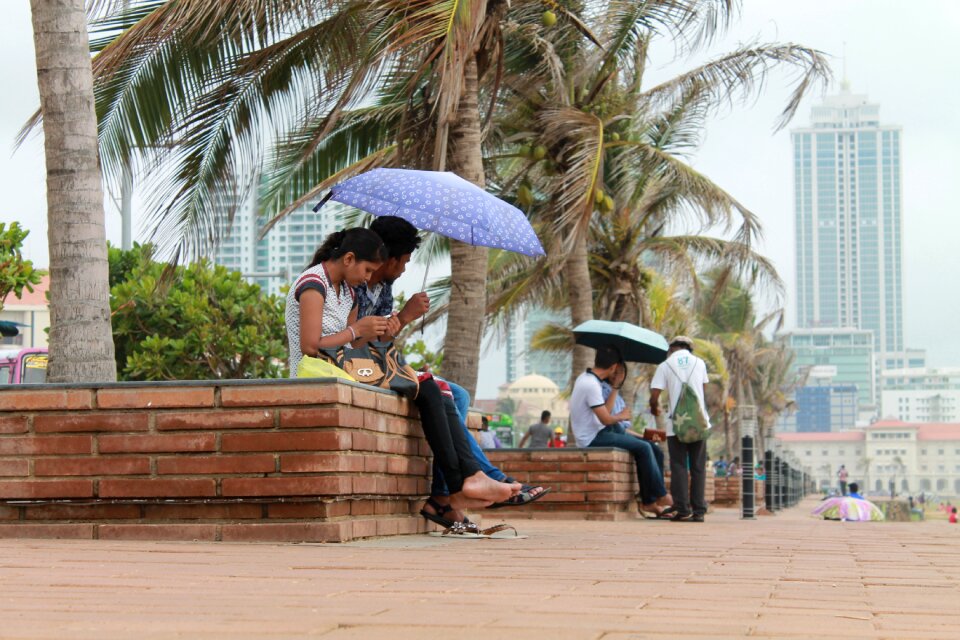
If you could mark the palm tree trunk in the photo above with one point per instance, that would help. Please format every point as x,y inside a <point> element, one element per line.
<point>580,295</point>
<point>81,339</point>
<point>468,264</point>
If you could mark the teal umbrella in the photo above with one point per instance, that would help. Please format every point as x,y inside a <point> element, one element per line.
<point>636,344</point>
<point>8,329</point>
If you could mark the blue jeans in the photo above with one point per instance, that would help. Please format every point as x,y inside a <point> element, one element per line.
<point>462,401</point>
<point>648,458</point>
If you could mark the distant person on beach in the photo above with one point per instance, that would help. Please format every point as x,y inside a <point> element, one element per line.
<point>488,439</point>
<point>538,434</point>
<point>734,469</point>
<point>855,491</point>
<point>953,516</point>
<point>557,441</point>
<point>720,467</point>
<point>842,478</point>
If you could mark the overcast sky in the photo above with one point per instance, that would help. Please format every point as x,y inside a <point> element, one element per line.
<point>902,55</point>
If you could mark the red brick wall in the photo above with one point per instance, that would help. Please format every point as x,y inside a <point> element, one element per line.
<point>285,460</point>
<point>728,491</point>
<point>594,484</point>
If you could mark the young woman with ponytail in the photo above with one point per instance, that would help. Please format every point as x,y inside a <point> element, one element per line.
<point>322,313</point>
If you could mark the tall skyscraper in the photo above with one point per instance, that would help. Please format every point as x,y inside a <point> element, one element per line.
<point>522,360</point>
<point>276,259</point>
<point>848,219</point>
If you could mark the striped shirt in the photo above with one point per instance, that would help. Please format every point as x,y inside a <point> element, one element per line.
<point>336,309</point>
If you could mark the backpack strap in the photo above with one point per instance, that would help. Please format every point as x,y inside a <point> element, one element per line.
<point>675,401</point>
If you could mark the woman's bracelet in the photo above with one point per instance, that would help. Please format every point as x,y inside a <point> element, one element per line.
<point>352,333</point>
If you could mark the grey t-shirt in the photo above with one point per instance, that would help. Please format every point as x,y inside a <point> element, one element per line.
<point>539,434</point>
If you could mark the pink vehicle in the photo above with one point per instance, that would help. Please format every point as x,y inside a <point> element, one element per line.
<point>23,366</point>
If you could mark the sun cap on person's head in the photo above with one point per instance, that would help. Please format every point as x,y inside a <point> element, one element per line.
<point>558,430</point>
<point>682,340</point>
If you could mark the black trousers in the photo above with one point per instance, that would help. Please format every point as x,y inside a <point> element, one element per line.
<point>447,439</point>
<point>682,455</point>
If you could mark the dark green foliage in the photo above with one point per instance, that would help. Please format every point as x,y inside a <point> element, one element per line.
<point>16,274</point>
<point>198,322</point>
<point>418,355</point>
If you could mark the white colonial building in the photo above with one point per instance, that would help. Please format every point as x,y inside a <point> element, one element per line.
<point>914,457</point>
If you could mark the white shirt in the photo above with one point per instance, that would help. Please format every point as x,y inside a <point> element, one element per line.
<point>587,394</point>
<point>488,440</point>
<point>681,367</point>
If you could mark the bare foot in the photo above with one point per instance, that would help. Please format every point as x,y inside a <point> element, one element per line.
<point>653,507</point>
<point>459,502</point>
<point>480,486</point>
<point>665,501</point>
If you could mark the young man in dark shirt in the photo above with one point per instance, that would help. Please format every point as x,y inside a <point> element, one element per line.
<point>375,297</point>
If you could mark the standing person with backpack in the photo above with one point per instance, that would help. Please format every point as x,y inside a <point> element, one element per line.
<point>684,376</point>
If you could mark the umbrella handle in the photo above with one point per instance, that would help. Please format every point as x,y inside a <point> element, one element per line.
<point>324,201</point>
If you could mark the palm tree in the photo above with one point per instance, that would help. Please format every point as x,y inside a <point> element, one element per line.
<point>584,142</point>
<point>776,382</point>
<point>81,343</point>
<point>202,88</point>
<point>759,371</point>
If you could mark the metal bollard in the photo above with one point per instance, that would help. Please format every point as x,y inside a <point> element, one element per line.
<point>786,484</point>
<point>775,474</point>
<point>768,483</point>
<point>748,488</point>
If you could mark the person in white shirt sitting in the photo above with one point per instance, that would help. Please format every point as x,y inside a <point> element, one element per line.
<point>594,425</point>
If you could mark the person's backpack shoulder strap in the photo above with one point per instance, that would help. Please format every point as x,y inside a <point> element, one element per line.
<point>674,401</point>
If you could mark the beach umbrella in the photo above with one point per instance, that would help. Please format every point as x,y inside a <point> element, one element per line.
<point>848,509</point>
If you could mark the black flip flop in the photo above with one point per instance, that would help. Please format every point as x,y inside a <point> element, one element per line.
<point>522,498</point>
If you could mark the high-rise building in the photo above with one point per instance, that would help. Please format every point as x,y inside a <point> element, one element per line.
<point>848,352</point>
<point>848,220</point>
<point>284,252</point>
<point>523,361</point>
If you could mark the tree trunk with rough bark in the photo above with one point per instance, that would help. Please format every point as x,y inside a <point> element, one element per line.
<point>81,338</point>
<point>468,264</point>
<point>580,295</point>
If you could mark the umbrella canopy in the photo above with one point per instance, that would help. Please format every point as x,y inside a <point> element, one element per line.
<point>636,344</point>
<point>441,202</point>
<point>8,328</point>
<point>848,509</point>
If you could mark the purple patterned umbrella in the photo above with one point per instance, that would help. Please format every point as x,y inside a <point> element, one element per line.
<point>441,202</point>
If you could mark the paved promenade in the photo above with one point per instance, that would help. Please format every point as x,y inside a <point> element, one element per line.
<point>780,576</point>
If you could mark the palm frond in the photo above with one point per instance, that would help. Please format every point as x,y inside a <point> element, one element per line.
<point>576,140</point>
<point>741,74</point>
